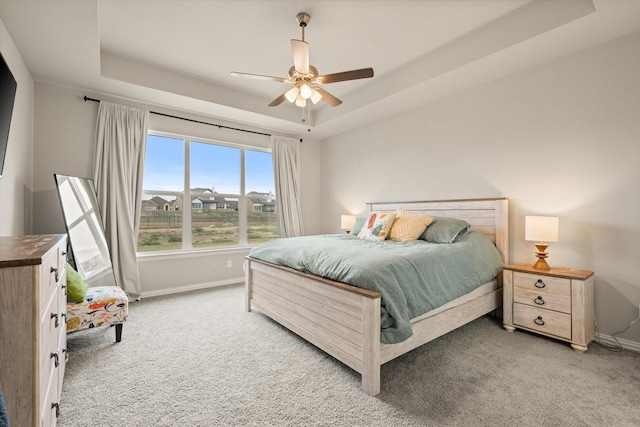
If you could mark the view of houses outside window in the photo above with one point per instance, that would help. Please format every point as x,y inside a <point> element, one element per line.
<point>222,209</point>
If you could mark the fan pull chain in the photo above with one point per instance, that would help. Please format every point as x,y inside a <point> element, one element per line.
<point>306,114</point>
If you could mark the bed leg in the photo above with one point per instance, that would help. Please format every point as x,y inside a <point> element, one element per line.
<point>247,285</point>
<point>371,347</point>
<point>371,381</point>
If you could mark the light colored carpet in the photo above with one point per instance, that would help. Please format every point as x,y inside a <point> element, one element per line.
<point>198,359</point>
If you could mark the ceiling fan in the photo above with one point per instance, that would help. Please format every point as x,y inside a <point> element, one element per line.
<point>305,78</point>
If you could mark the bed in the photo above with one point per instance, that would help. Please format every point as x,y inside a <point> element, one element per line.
<point>345,321</point>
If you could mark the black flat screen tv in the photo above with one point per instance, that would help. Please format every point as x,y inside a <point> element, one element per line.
<point>8,87</point>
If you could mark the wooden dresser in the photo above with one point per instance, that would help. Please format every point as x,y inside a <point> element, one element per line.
<point>32,327</point>
<point>557,302</point>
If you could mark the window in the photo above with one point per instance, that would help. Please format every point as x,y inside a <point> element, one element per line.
<point>223,185</point>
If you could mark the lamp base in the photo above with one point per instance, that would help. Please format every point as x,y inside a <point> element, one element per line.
<point>541,264</point>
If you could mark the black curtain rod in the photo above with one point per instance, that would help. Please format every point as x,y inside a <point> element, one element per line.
<point>86,98</point>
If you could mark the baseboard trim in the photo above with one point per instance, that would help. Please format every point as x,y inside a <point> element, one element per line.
<point>626,344</point>
<point>187,288</point>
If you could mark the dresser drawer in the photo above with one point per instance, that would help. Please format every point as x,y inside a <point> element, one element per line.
<point>542,320</point>
<point>52,272</point>
<point>49,355</point>
<point>50,404</point>
<point>49,365</point>
<point>541,283</point>
<point>541,299</point>
<point>51,321</point>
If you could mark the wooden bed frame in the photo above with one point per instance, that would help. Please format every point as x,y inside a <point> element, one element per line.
<point>344,320</point>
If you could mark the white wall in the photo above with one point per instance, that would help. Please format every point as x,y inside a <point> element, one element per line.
<point>560,139</point>
<point>64,143</point>
<point>16,184</point>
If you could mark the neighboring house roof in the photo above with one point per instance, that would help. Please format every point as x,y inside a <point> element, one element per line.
<point>199,190</point>
<point>206,195</point>
<point>158,200</point>
<point>255,196</point>
<point>155,201</point>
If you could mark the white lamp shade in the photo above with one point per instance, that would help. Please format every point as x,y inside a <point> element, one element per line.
<point>305,91</point>
<point>292,94</point>
<point>315,96</point>
<point>541,228</point>
<point>301,102</point>
<point>347,221</point>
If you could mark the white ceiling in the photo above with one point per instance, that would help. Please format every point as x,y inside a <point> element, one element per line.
<point>179,54</point>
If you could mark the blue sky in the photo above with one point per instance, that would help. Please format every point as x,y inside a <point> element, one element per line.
<point>211,166</point>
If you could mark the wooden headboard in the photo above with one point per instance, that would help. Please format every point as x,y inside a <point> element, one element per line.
<point>487,216</point>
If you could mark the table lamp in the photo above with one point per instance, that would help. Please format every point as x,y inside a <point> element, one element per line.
<point>347,221</point>
<point>541,229</point>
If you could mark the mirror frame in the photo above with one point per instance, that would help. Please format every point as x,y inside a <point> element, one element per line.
<point>97,268</point>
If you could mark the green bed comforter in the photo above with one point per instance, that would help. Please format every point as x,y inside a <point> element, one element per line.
<point>413,277</point>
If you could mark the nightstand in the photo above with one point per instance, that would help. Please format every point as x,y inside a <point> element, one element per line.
<point>557,303</point>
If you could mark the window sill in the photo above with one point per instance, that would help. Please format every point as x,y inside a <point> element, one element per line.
<point>191,253</point>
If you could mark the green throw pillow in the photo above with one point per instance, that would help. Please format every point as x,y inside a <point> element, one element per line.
<point>76,287</point>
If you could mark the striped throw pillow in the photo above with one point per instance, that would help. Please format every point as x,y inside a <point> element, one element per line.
<point>408,228</point>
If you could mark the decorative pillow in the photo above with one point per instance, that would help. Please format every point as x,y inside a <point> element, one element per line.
<point>76,287</point>
<point>445,230</point>
<point>357,226</point>
<point>377,226</point>
<point>408,228</point>
<point>401,213</point>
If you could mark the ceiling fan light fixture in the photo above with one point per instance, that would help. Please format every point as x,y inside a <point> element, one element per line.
<point>305,78</point>
<point>301,102</point>
<point>292,94</point>
<point>305,91</point>
<point>315,96</point>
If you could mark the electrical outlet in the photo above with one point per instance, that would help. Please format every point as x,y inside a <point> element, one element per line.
<point>229,264</point>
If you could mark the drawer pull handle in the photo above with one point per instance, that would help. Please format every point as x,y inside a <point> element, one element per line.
<point>538,321</point>
<point>55,405</point>
<point>64,316</point>
<point>539,300</point>
<point>55,270</point>
<point>64,253</point>
<point>540,284</point>
<point>55,316</point>
<point>55,356</point>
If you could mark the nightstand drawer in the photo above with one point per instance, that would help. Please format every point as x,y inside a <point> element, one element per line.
<point>541,320</point>
<point>541,283</point>
<point>541,299</point>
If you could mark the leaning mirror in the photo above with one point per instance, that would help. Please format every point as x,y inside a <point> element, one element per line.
<point>89,253</point>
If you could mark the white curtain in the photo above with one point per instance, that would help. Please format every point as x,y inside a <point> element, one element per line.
<point>286,168</point>
<point>120,149</point>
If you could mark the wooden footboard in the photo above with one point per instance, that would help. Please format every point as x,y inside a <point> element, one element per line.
<point>340,319</point>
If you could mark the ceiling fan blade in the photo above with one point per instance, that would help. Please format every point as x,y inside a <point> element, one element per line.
<point>258,77</point>
<point>328,98</point>
<point>278,100</point>
<point>363,73</point>
<point>300,52</point>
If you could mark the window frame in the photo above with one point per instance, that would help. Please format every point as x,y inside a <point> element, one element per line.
<point>185,193</point>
